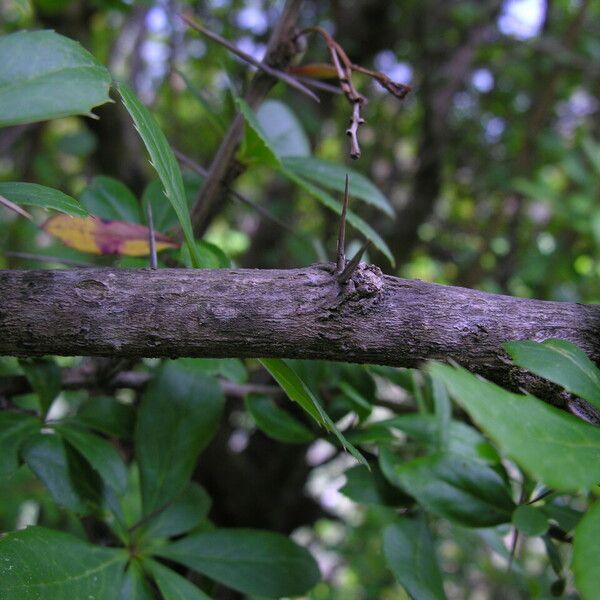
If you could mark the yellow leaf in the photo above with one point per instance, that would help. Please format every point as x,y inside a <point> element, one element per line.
<point>101,236</point>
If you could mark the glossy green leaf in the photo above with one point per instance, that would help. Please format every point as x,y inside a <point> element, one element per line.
<point>65,475</point>
<point>360,405</point>
<point>173,586</point>
<point>182,515</point>
<point>336,206</point>
<point>297,391</point>
<point>135,585</point>
<point>39,563</point>
<point>410,555</point>
<point>443,413</point>
<point>553,446</point>
<point>462,490</point>
<point>108,198</point>
<point>178,416</point>
<point>371,487</point>
<point>107,415</point>
<point>333,176</point>
<point>44,75</point>
<point>586,552</point>
<point>530,520</point>
<point>32,194</point>
<point>15,428</point>
<point>250,561</point>
<point>282,129</point>
<point>44,376</point>
<point>276,422</point>
<point>163,160</point>
<point>103,457</point>
<point>562,363</point>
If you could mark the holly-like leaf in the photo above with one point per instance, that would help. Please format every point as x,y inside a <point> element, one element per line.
<point>44,75</point>
<point>250,561</point>
<point>97,236</point>
<point>32,194</point>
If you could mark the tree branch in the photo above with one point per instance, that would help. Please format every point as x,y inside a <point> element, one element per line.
<point>297,313</point>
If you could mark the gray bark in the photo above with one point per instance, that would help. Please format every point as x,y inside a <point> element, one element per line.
<point>297,313</point>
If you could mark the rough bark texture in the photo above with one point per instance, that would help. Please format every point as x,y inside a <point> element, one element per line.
<point>297,313</point>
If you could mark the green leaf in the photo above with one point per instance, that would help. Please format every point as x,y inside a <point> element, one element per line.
<point>32,194</point>
<point>371,487</point>
<point>163,215</point>
<point>282,128</point>
<point>277,423</point>
<point>108,416</point>
<point>250,561</point>
<point>135,586</point>
<point>39,563</point>
<point>163,160</point>
<point>464,491</point>
<point>585,554</point>
<point>256,147</point>
<point>173,586</point>
<point>110,199</point>
<point>333,176</point>
<point>15,428</point>
<point>65,475</point>
<point>336,206</point>
<point>103,457</point>
<point>44,75</point>
<point>360,405</point>
<point>443,413</point>
<point>185,513</point>
<point>530,520</point>
<point>44,376</point>
<point>410,555</point>
<point>297,391</point>
<point>562,363</point>
<point>211,256</point>
<point>553,446</point>
<point>178,416</point>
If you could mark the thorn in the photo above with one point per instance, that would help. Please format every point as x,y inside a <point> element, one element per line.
<point>341,254</point>
<point>351,266</point>
<point>151,237</point>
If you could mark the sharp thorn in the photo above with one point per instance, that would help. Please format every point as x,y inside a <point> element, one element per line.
<point>353,264</point>
<point>341,253</point>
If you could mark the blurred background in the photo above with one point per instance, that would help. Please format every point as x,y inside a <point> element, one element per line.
<point>491,163</point>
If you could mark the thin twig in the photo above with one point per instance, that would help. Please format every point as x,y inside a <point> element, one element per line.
<point>47,259</point>
<point>341,245</point>
<point>353,264</point>
<point>151,237</point>
<point>281,75</point>
<point>12,206</point>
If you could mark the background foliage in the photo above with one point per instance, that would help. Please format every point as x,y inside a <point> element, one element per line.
<point>190,485</point>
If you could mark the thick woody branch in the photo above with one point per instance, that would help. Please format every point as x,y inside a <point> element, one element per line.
<point>298,313</point>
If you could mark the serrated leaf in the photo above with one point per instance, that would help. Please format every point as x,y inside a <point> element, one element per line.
<point>462,490</point>
<point>250,561</point>
<point>44,75</point>
<point>15,428</point>
<point>553,446</point>
<point>39,563</point>
<point>277,423</point>
<point>333,176</point>
<point>110,199</point>
<point>178,416</point>
<point>560,362</point>
<point>32,194</point>
<point>585,554</point>
<point>97,236</point>
<point>410,555</point>
<point>172,585</point>
<point>297,391</point>
<point>163,160</point>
